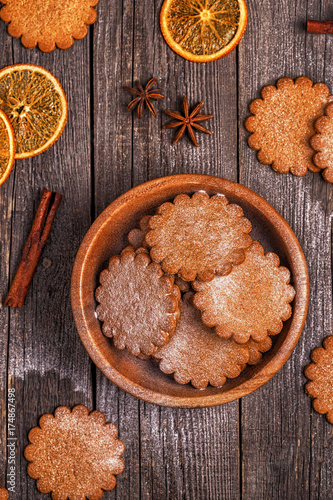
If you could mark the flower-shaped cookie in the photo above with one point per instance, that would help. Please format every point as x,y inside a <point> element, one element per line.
<point>323,143</point>
<point>257,348</point>
<point>283,124</point>
<point>320,372</point>
<point>48,23</point>
<point>74,454</point>
<point>137,303</point>
<point>196,354</point>
<point>198,236</point>
<point>3,494</point>
<point>136,237</point>
<point>251,301</point>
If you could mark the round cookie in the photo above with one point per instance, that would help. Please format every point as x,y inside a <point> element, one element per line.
<point>136,237</point>
<point>256,349</point>
<point>74,454</point>
<point>322,142</point>
<point>283,124</point>
<point>138,304</point>
<point>251,301</point>
<point>48,23</point>
<point>196,354</point>
<point>198,236</point>
<point>320,373</point>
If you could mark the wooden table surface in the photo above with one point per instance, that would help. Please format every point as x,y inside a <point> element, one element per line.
<point>269,445</point>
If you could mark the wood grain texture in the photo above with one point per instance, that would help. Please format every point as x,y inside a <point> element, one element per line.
<point>269,445</point>
<point>6,209</point>
<point>282,455</point>
<point>47,364</point>
<point>128,46</point>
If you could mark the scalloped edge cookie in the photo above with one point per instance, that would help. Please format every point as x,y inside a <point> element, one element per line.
<point>292,105</point>
<point>74,454</point>
<point>138,303</point>
<point>198,236</point>
<point>236,311</point>
<point>320,374</point>
<point>322,142</point>
<point>39,22</point>
<point>136,237</point>
<point>196,354</point>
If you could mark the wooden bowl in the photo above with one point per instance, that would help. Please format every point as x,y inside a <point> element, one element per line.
<point>108,236</point>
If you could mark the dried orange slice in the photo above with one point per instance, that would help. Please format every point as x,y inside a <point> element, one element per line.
<point>7,147</point>
<point>36,106</point>
<point>203,30</point>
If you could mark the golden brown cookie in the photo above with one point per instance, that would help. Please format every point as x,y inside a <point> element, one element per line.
<point>74,454</point>
<point>48,23</point>
<point>137,303</point>
<point>251,301</point>
<point>184,286</point>
<point>129,248</point>
<point>198,236</point>
<point>322,142</point>
<point>3,494</point>
<point>196,354</point>
<point>283,124</point>
<point>136,237</point>
<point>320,372</point>
<point>256,349</point>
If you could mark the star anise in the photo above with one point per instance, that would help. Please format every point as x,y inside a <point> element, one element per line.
<point>188,121</point>
<point>144,96</point>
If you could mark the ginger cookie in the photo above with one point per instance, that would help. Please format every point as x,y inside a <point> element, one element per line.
<point>251,301</point>
<point>137,242</point>
<point>129,248</point>
<point>3,494</point>
<point>196,354</point>
<point>136,237</point>
<point>320,372</point>
<point>74,454</point>
<point>48,23</point>
<point>138,303</point>
<point>256,349</point>
<point>322,142</point>
<point>283,124</point>
<point>198,236</point>
<point>184,286</point>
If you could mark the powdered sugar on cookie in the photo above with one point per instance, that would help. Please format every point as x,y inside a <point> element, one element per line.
<point>250,302</point>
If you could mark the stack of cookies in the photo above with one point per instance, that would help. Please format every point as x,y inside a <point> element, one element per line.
<point>194,292</point>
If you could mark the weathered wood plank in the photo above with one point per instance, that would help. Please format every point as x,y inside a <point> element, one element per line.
<point>173,445</point>
<point>6,208</point>
<point>112,68</point>
<point>320,49</point>
<point>184,453</point>
<point>279,456</point>
<point>48,365</point>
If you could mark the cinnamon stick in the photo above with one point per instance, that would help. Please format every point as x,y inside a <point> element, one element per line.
<point>320,27</point>
<point>32,251</point>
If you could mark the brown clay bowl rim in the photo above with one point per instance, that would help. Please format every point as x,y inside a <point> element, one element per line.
<point>268,369</point>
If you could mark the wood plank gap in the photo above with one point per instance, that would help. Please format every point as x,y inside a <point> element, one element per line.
<point>92,177</point>
<point>238,125</point>
<point>240,450</point>
<point>141,403</point>
<point>132,141</point>
<point>9,311</point>
<point>92,124</point>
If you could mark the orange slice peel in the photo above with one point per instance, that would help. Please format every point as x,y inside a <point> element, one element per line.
<point>7,147</point>
<point>36,106</point>
<point>203,30</point>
